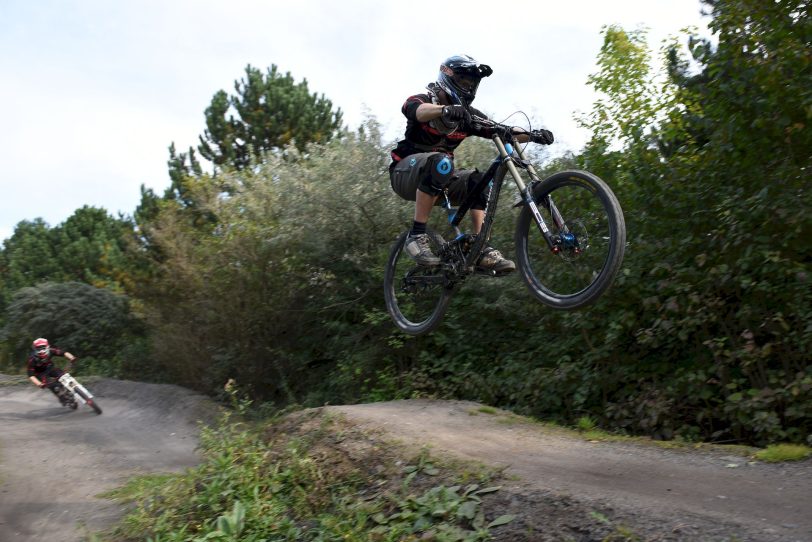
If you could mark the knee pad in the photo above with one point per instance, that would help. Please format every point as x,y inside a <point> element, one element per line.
<point>437,174</point>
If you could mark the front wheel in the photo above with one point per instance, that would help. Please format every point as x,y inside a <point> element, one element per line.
<point>589,235</point>
<point>416,296</point>
<point>90,402</point>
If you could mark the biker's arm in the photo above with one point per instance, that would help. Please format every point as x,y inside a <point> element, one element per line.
<point>427,112</point>
<point>36,381</point>
<point>67,355</point>
<point>420,108</point>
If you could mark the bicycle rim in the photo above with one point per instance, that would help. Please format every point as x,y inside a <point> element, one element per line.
<point>416,296</point>
<point>591,243</point>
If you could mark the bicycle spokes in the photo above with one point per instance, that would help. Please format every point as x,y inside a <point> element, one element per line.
<point>580,234</point>
<point>416,296</point>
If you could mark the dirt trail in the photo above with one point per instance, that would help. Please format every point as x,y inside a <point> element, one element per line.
<point>54,461</point>
<point>662,494</point>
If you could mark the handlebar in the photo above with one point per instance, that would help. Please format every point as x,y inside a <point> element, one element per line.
<point>504,131</point>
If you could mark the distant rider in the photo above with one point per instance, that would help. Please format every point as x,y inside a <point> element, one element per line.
<point>41,365</point>
<point>423,162</point>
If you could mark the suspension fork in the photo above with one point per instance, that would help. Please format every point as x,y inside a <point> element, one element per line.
<point>528,196</point>
<point>548,203</point>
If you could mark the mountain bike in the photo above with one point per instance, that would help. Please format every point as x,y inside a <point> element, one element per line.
<point>570,237</point>
<point>70,392</point>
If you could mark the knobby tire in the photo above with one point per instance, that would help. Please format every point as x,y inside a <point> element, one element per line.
<point>569,281</point>
<point>400,296</point>
<point>90,402</point>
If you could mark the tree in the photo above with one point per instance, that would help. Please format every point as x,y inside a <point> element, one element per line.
<point>764,69</point>
<point>271,112</point>
<point>91,248</point>
<point>179,171</point>
<point>753,91</point>
<point>28,256</point>
<point>626,106</point>
<point>88,321</point>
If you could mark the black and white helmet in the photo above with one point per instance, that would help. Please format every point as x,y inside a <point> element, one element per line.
<point>459,77</point>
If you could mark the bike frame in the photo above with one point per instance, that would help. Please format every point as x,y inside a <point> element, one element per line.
<point>508,154</point>
<point>72,385</point>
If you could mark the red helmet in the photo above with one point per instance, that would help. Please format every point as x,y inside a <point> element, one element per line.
<point>42,348</point>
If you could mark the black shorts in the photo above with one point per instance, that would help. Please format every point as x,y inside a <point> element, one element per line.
<point>52,372</point>
<point>412,173</point>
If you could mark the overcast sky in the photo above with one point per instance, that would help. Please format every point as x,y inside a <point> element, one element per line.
<point>94,91</point>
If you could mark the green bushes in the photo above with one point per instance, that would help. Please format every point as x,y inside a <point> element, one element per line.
<point>92,323</point>
<point>309,478</point>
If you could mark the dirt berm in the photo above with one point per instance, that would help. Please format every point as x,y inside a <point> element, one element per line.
<point>55,462</point>
<point>562,487</point>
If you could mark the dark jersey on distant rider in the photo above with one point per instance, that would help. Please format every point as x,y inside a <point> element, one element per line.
<point>37,366</point>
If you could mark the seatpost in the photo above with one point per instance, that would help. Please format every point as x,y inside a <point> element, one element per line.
<point>452,212</point>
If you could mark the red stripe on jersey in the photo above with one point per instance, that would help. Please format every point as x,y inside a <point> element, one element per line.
<point>454,135</point>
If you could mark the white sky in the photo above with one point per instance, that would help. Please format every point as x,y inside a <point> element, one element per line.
<point>94,91</point>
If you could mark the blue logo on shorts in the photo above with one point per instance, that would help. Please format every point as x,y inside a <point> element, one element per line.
<point>412,162</point>
<point>444,166</point>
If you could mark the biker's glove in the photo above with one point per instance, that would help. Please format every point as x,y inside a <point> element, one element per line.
<point>456,113</point>
<point>42,385</point>
<point>542,137</point>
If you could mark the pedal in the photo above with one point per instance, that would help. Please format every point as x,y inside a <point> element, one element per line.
<point>492,273</point>
<point>485,272</point>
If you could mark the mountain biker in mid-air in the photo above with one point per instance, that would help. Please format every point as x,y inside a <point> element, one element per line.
<point>41,365</point>
<point>423,162</point>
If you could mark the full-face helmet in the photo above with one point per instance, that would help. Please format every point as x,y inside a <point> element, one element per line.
<point>459,77</point>
<point>41,348</point>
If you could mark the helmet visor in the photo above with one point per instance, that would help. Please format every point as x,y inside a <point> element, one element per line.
<point>466,82</point>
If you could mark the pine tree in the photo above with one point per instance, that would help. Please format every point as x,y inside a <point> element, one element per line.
<point>268,112</point>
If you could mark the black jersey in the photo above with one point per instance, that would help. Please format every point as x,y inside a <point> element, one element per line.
<point>37,365</point>
<point>422,137</point>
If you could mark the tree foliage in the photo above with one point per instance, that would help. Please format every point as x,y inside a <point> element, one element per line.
<point>89,246</point>
<point>244,297</point>
<point>38,264</point>
<point>268,111</point>
<point>719,254</point>
<point>89,322</point>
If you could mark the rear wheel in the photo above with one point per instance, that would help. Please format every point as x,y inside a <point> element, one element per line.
<point>589,234</point>
<point>416,296</point>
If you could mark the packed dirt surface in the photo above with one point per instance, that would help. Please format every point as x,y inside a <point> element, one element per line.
<point>562,487</point>
<point>54,462</point>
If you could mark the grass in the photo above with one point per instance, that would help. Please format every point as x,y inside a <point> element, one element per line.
<point>776,453</point>
<point>308,477</point>
<point>586,429</point>
<point>585,424</point>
